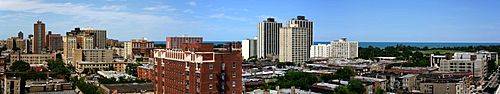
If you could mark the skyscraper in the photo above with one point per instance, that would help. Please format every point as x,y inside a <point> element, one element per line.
<point>268,38</point>
<point>54,42</point>
<point>39,37</point>
<point>99,37</point>
<point>76,39</point>
<point>295,40</point>
<point>344,49</point>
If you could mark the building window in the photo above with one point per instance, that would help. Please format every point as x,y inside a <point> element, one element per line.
<point>211,66</point>
<point>210,86</point>
<point>234,74</point>
<point>234,65</point>
<point>211,76</point>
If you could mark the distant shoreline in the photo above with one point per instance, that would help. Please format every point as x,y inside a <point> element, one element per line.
<point>386,44</point>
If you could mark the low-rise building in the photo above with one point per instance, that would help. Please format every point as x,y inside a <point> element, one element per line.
<point>47,85</point>
<point>12,85</point>
<point>114,74</point>
<point>118,66</point>
<point>442,84</point>
<point>129,88</point>
<point>464,62</point>
<point>146,71</point>
<point>33,58</point>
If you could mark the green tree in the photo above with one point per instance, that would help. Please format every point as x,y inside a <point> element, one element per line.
<point>379,91</point>
<point>356,86</point>
<point>19,66</point>
<point>343,90</point>
<point>299,79</point>
<point>344,74</point>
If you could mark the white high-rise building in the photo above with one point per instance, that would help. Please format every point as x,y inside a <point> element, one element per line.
<point>321,51</point>
<point>249,48</point>
<point>344,49</point>
<point>268,38</point>
<point>295,40</point>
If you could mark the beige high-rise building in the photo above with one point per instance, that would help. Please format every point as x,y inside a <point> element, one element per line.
<point>295,40</point>
<point>92,55</point>
<point>268,38</point>
<point>76,39</point>
<point>98,35</point>
<point>18,42</point>
<point>344,49</point>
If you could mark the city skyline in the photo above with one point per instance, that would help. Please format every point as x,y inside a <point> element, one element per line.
<point>382,21</point>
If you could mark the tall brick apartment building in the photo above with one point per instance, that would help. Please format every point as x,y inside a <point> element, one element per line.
<point>197,69</point>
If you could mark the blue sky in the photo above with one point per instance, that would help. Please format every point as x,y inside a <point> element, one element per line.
<point>361,20</point>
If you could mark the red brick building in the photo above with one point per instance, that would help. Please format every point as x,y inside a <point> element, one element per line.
<point>55,42</point>
<point>146,71</point>
<point>140,47</point>
<point>197,69</point>
<point>175,42</point>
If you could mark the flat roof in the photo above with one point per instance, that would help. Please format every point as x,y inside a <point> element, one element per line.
<point>130,87</point>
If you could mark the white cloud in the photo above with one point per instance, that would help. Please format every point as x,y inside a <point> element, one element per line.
<point>224,16</point>
<point>118,23</point>
<point>114,7</point>
<point>223,9</point>
<point>192,3</point>
<point>188,11</point>
<point>160,8</point>
<point>78,10</point>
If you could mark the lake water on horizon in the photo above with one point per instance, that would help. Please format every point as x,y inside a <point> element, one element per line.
<point>385,44</point>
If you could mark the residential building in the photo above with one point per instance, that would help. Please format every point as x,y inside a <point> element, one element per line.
<point>445,84</point>
<point>344,49</point>
<point>176,42</point>
<point>139,48</point>
<point>33,58</point>
<point>295,40</point>
<point>39,37</point>
<point>117,66</point>
<point>146,71</point>
<point>54,42</point>
<point>29,44</point>
<point>464,62</point>
<point>268,38</point>
<point>113,43</point>
<point>17,43</point>
<point>76,39</point>
<point>118,51</point>
<point>127,88</point>
<point>12,85</point>
<point>321,51</point>
<point>98,35</point>
<point>91,55</point>
<point>114,74</point>
<point>35,86</point>
<point>249,48</point>
<point>198,69</point>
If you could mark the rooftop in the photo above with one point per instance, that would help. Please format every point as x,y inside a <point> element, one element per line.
<point>131,87</point>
